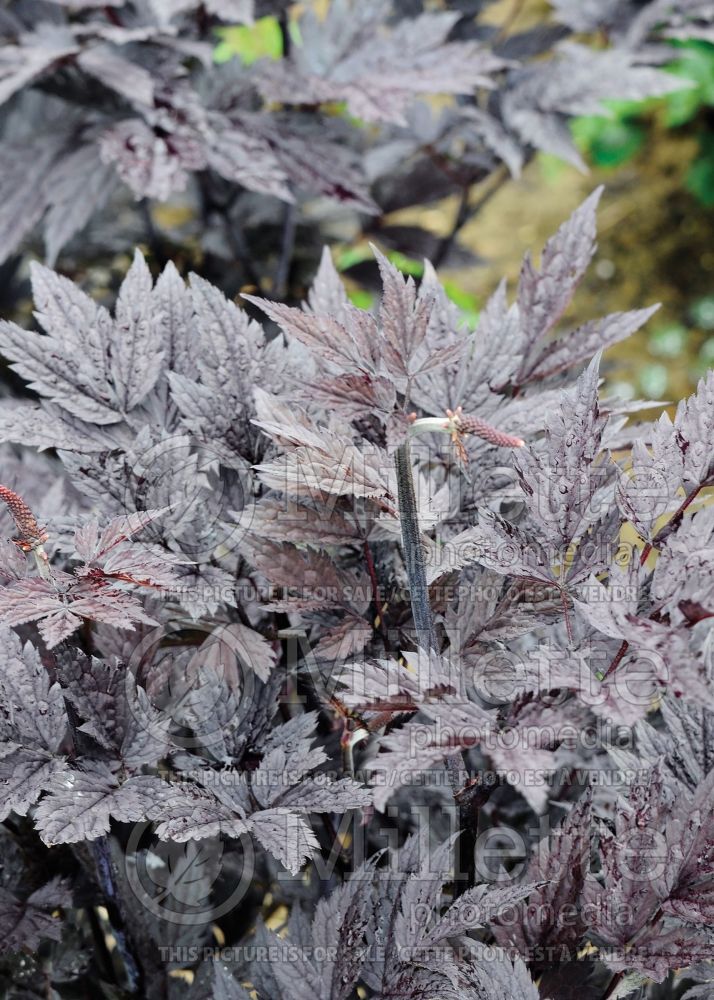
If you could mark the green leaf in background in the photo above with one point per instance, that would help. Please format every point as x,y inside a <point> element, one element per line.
<point>668,341</point>
<point>608,142</point>
<point>467,303</point>
<point>347,257</point>
<point>700,176</point>
<point>696,63</point>
<point>407,265</point>
<point>611,141</point>
<point>703,313</point>
<point>361,298</point>
<point>250,42</point>
<point>551,167</point>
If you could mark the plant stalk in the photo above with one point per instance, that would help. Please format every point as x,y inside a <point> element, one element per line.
<point>413,551</point>
<point>426,638</point>
<point>108,884</point>
<point>105,873</point>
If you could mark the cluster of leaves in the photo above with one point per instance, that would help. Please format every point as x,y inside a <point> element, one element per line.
<point>280,656</point>
<point>251,620</point>
<point>105,103</point>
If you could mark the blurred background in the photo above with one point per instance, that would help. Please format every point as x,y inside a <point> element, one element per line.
<point>655,158</point>
<point>655,225</point>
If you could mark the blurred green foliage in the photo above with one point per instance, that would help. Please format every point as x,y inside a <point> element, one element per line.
<point>615,141</point>
<point>249,42</point>
<point>695,63</point>
<point>347,257</point>
<point>610,142</point>
<point>668,357</point>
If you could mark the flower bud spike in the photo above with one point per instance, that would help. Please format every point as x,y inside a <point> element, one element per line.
<point>474,425</point>
<point>31,535</point>
<point>458,426</point>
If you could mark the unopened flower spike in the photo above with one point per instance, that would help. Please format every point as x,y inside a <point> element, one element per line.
<point>31,536</point>
<point>458,425</point>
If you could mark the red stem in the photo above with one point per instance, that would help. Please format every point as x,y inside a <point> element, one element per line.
<point>619,656</point>
<point>669,527</point>
<point>614,983</point>
<point>112,16</point>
